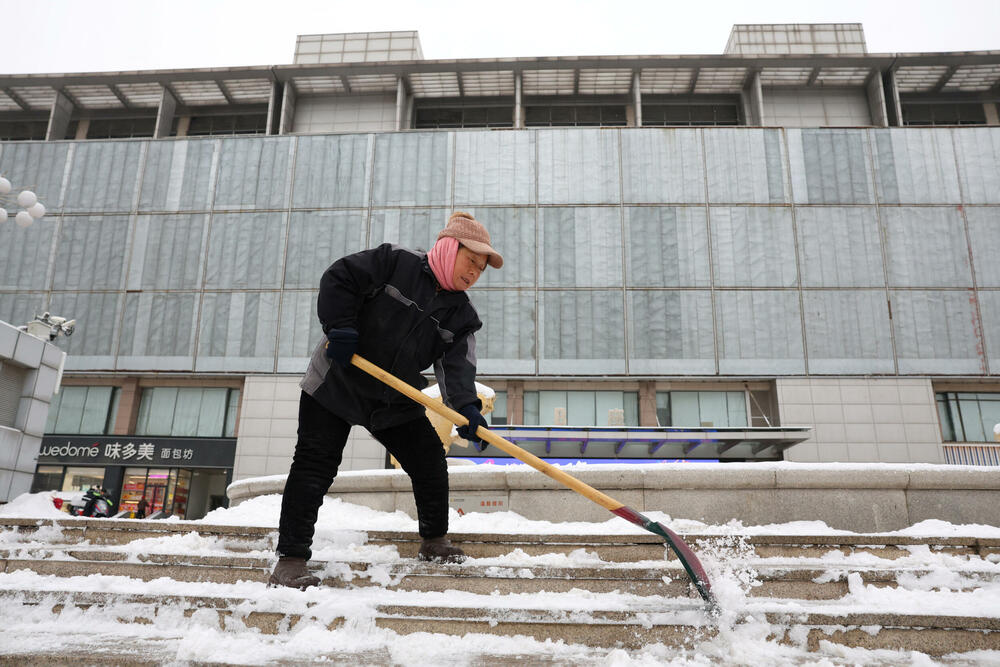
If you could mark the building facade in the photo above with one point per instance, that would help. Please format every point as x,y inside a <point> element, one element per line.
<point>785,251</point>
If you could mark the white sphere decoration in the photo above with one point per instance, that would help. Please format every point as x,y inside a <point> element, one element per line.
<point>4,186</point>
<point>36,211</point>
<point>3,214</point>
<point>26,198</point>
<point>23,219</point>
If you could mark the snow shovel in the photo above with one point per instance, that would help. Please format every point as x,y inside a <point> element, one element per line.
<point>684,553</point>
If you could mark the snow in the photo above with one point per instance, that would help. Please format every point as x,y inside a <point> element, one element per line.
<point>934,582</point>
<point>434,391</point>
<point>33,505</point>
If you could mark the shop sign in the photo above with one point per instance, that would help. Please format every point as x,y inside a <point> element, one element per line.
<point>145,451</point>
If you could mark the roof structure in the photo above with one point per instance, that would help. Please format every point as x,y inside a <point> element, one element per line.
<point>965,73</point>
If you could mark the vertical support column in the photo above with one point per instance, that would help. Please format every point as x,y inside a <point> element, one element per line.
<point>992,118</point>
<point>876,100</point>
<point>288,99</point>
<point>62,109</point>
<point>894,110</point>
<point>637,99</point>
<point>400,102</point>
<point>752,97</point>
<point>515,402</point>
<point>647,403</point>
<point>518,110</point>
<point>82,127</point>
<point>165,114</point>
<point>274,108</point>
<point>128,407</point>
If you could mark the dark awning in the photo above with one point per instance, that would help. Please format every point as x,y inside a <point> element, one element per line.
<point>602,442</point>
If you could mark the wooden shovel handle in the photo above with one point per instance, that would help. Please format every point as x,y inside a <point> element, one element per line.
<point>454,417</point>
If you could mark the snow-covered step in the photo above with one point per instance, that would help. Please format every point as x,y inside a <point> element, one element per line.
<point>615,547</point>
<point>804,579</point>
<point>590,621</point>
<point>123,531</point>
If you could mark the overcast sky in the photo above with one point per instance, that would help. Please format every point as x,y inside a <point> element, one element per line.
<point>110,35</point>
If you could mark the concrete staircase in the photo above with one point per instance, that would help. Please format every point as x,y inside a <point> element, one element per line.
<point>793,582</point>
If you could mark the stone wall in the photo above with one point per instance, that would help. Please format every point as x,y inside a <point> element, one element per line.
<point>868,498</point>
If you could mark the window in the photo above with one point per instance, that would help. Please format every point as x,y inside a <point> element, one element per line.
<point>223,125</point>
<point>201,412</point>
<point>119,128</point>
<point>581,408</point>
<point>47,478</point>
<point>968,417</point>
<point>23,130</point>
<point>463,117</point>
<point>575,116</point>
<point>944,114</point>
<point>498,417</point>
<point>697,409</point>
<point>81,479</point>
<point>83,410</point>
<point>682,115</point>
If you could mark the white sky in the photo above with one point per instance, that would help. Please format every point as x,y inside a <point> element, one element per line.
<point>111,35</point>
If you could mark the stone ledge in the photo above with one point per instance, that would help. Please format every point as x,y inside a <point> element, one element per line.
<point>858,497</point>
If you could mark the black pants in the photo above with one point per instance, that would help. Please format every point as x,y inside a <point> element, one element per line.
<point>318,454</point>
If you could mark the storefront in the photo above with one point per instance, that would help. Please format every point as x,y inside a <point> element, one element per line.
<point>183,477</point>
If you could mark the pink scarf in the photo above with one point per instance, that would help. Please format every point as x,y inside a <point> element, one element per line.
<point>442,260</point>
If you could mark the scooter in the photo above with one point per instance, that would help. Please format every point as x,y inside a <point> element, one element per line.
<point>94,503</point>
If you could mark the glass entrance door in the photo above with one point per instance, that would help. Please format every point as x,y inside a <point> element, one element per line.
<point>156,488</point>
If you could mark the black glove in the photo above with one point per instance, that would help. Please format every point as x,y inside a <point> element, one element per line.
<point>341,344</point>
<point>476,419</point>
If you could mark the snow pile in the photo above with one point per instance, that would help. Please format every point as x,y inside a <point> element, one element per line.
<point>33,506</point>
<point>931,581</point>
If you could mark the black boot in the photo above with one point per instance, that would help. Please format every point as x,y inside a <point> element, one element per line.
<point>440,550</point>
<point>293,573</point>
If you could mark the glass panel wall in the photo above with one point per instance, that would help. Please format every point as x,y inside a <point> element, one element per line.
<point>694,409</point>
<point>81,479</point>
<point>498,416</point>
<point>198,412</point>
<point>969,417</point>
<point>581,408</point>
<point>83,410</point>
<point>47,478</point>
<point>133,490</point>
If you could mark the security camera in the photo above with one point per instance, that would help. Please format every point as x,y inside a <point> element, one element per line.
<point>51,326</point>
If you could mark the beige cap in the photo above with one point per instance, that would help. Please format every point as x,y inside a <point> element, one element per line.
<point>471,233</point>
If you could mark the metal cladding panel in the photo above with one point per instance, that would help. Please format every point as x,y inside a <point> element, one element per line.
<point>316,239</point>
<point>580,247</point>
<point>254,173</point>
<point>915,166</point>
<point>667,246</point>
<point>840,246</point>
<point>639,251</point>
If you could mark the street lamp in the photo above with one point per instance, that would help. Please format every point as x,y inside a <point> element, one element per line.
<point>32,209</point>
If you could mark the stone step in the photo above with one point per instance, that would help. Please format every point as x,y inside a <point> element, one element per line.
<point>804,580</point>
<point>614,547</point>
<point>675,623</point>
